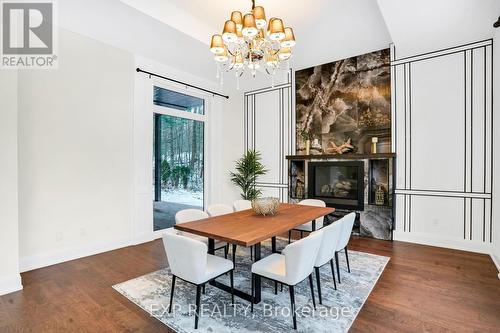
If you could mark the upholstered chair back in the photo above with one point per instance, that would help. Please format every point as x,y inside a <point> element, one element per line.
<point>188,215</point>
<point>219,209</point>
<point>300,257</point>
<point>187,257</point>
<point>316,203</point>
<point>347,224</point>
<point>329,243</point>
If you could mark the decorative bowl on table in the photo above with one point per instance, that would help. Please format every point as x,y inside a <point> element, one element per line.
<point>265,206</point>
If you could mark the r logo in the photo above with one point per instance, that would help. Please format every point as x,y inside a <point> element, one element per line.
<point>27,28</point>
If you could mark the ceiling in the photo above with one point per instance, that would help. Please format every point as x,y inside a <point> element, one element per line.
<point>328,30</point>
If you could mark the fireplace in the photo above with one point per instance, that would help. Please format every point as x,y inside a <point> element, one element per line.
<point>339,184</point>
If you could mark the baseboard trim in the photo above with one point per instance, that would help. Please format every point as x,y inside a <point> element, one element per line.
<point>57,257</point>
<point>10,284</point>
<point>496,261</point>
<point>426,239</point>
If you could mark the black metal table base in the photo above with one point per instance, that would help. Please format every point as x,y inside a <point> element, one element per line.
<point>241,294</point>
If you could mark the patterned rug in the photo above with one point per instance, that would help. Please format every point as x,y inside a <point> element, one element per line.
<point>340,307</point>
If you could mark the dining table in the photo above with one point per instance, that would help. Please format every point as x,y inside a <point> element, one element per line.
<point>248,229</point>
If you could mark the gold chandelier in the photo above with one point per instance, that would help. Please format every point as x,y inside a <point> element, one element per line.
<point>246,44</point>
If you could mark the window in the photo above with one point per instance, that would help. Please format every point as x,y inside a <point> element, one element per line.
<point>178,155</point>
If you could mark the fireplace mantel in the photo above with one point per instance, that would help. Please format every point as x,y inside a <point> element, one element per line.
<point>341,156</point>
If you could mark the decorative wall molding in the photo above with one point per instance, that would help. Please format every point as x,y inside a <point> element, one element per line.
<point>453,89</point>
<point>270,111</point>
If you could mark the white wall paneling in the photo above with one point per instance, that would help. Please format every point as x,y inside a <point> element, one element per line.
<point>268,123</point>
<point>444,144</point>
<point>10,279</point>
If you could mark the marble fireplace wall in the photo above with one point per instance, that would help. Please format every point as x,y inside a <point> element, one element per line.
<point>345,100</point>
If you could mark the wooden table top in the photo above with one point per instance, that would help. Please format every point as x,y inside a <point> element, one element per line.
<point>246,228</point>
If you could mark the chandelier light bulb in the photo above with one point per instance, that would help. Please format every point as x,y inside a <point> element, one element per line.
<point>222,56</point>
<point>217,44</point>
<point>276,29</point>
<point>229,32</point>
<point>289,40</point>
<point>285,54</point>
<point>260,17</point>
<point>249,26</point>
<point>237,18</point>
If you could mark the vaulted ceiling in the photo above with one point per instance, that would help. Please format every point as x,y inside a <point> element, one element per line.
<point>328,30</point>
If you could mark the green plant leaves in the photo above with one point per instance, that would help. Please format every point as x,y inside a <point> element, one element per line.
<point>248,169</point>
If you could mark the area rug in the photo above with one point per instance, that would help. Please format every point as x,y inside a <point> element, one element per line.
<point>340,307</point>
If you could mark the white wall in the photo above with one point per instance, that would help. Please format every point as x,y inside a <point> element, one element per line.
<point>75,153</point>
<point>496,154</point>
<point>10,280</point>
<point>85,151</point>
<point>442,106</point>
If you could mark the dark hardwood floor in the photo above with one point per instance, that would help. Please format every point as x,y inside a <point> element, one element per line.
<point>423,288</point>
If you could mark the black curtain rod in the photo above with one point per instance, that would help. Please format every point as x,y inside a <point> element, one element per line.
<point>180,82</point>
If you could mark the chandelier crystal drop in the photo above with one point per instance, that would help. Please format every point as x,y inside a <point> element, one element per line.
<point>249,42</point>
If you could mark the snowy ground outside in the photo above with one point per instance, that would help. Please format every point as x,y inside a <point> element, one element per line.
<point>182,196</point>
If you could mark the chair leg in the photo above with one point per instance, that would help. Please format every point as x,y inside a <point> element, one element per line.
<point>333,274</point>
<point>292,301</point>
<point>234,255</point>
<point>318,283</point>
<point>198,301</point>
<point>337,263</point>
<point>231,278</point>
<point>253,292</point>
<point>347,259</point>
<point>275,288</point>
<point>251,253</point>
<point>301,234</point>
<point>226,249</point>
<point>312,290</point>
<point>289,236</point>
<point>171,294</point>
<point>203,289</point>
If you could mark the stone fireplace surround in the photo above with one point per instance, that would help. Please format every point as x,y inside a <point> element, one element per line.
<point>373,220</point>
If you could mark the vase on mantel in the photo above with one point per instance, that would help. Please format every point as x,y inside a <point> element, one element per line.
<point>308,146</point>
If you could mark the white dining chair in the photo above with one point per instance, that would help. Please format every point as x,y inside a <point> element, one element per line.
<point>326,252</point>
<point>191,214</point>
<point>345,235</point>
<point>188,260</point>
<point>308,226</point>
<point>219,209</point>
<point>292,266</point>
<point>239,205</point>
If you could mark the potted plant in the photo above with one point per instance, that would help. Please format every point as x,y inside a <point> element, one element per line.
<point>248,169</point>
